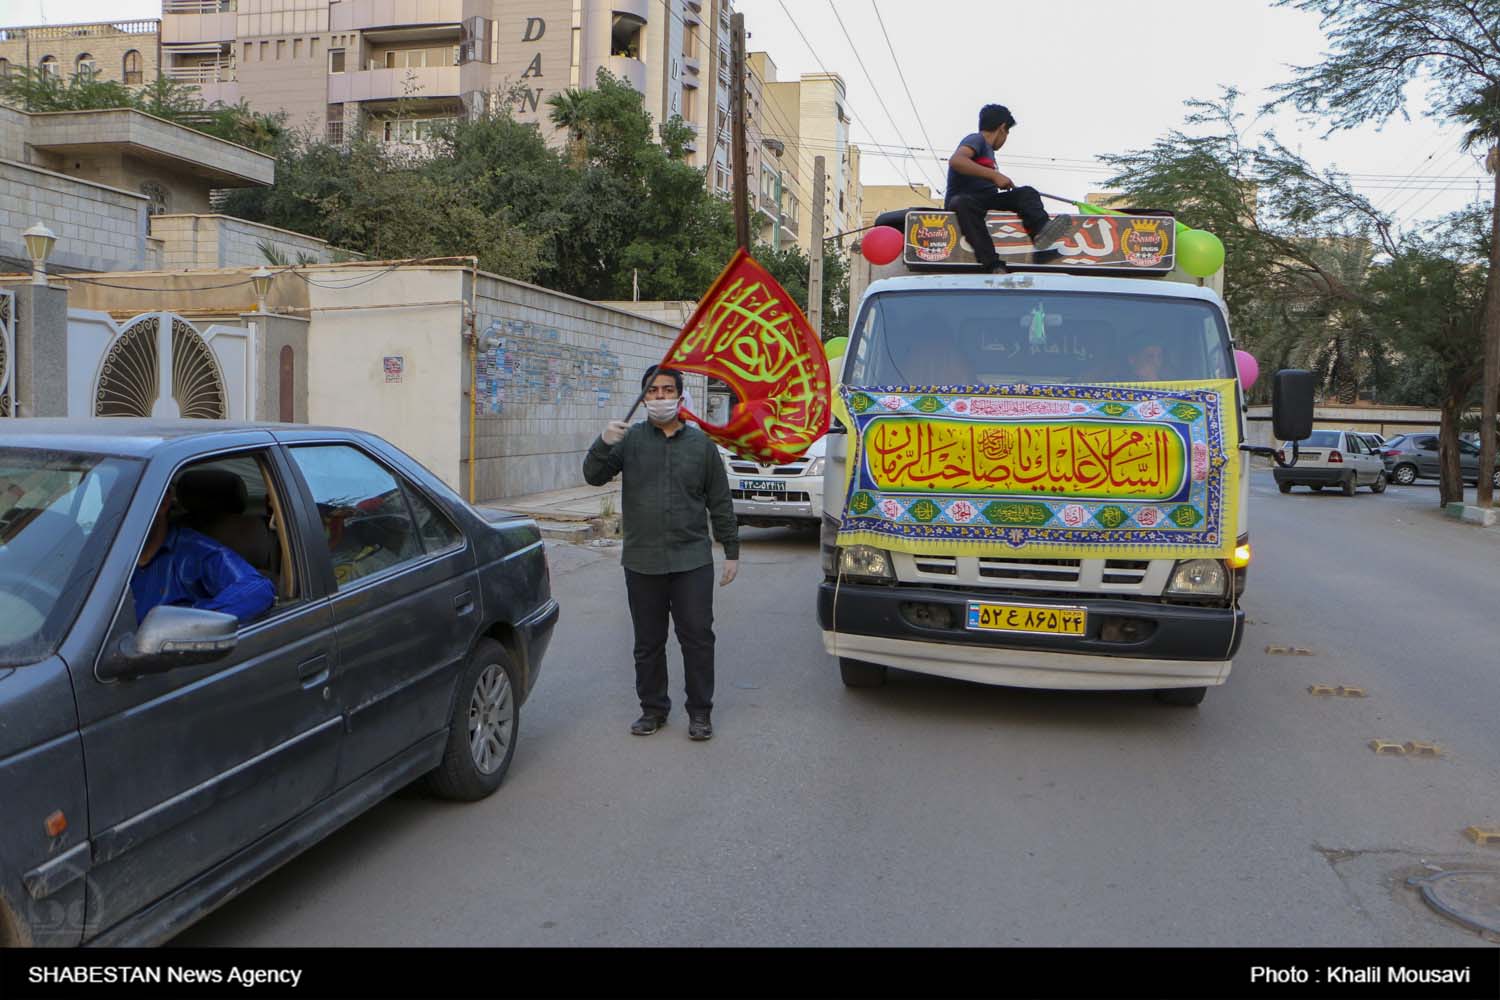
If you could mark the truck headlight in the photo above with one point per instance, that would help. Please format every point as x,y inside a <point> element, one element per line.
<point>815,467</point>
<point>1199,578</point>
<point>866,562</point>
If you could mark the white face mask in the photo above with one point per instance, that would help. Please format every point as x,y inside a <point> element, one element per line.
<point>663,411</point>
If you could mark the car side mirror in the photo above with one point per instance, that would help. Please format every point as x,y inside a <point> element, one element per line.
<point>1292,404</point>
<point>170,638</point>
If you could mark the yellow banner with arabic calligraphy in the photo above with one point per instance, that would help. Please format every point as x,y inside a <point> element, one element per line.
<point>1145,470</point>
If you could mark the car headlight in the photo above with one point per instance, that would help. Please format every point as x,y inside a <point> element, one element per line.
<point>815,467</point>
<point>1199,578</point>
<point>867,562</point>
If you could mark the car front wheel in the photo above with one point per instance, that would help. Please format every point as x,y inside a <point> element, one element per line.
<point>482,732</point>
<point>1181,697</point>
<point>1404,474</point>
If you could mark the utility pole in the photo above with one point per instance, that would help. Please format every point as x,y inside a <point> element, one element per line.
<point>815,272</point>
<point>737,148</point>
<point>1490,326</point>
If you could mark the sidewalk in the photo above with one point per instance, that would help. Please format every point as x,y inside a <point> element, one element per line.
<point>577,514</point>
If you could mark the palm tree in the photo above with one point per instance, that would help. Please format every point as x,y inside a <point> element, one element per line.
<point>1482,115</point>
<point>569,111</point>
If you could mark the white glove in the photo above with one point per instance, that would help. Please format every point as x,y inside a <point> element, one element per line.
<point>614,432</point>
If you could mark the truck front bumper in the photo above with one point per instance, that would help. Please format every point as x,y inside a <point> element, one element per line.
<point>1126,644</point>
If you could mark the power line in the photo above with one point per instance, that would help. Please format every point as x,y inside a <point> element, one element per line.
<point>854,50</point>
<point>921,124</point>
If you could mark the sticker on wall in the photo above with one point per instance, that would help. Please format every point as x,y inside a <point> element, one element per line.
<point>395,367</point>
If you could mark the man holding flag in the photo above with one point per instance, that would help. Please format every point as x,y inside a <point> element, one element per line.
<point>748,332</point>
<point>673,485</point>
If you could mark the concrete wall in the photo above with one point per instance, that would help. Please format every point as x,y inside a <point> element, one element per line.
<point>41,362</point>
<point>1387,421</point>
<point>98,228</point>
<point>272,334</point>
<point>195,241</point>
<point>555,370</point>
<point>415,314</point>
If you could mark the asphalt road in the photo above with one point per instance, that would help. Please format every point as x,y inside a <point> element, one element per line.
<point>932,812</point>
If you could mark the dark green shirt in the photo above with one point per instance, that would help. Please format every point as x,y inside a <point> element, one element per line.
<point>670,489</point>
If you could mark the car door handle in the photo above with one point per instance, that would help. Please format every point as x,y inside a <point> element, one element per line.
<point>313,672</point>
<point>464,603</point>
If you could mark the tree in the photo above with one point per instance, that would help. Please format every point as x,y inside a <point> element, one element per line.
<point>1429,301</point>
<point>1379,47</point>
<point>1298,242</point>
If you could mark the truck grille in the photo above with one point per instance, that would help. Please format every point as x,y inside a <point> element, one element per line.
<point>1106,576</point>
<point>792,496</point>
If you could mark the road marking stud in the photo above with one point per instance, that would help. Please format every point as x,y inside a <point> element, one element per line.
<point>1301,651</point>
<point>1279,650</point>
<point>1419,749</point>
<point>1344,691</point>
<point>1324,689</point>
<point>1388,746</point>
<point>1483,837</point>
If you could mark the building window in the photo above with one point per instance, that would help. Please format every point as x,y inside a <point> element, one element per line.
<point>132,67</point>
<point>84,65</point>
<point>335,60</point>
<point>296,48</point>
<point>264,48</point>
<point>312,48</point>
<point>157,196</point>
<point>49,65</point>
<point>411,130</point>
<point>280,49</point>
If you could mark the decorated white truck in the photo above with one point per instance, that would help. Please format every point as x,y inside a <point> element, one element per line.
<point>1036,478</point>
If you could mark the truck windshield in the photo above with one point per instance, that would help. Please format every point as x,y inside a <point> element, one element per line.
<point>984,337</point>
<point>58,512</point>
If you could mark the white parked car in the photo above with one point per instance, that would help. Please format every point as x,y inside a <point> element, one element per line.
<point>790,494</point>
<point>1333,458</point>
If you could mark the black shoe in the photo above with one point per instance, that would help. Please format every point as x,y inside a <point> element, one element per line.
<point>699,728</point>
<point>1050,234</point>
<point>647,724</point>
<point>996,266</point>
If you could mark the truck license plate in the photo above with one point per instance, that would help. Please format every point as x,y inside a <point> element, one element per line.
<point>762,486</point>
<point>984,617</point>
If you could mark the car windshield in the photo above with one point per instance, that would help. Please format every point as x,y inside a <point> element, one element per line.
<point>1318,439</point>
<point>984,337</point>
<point>58,512</point>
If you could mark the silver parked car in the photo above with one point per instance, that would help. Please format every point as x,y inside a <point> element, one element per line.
<point>1332,458</point>
<point>1409,457</point>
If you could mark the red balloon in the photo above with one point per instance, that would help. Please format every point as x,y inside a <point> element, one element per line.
<point>882,244</point>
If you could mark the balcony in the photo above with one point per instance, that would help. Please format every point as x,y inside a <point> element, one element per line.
<point>199,6</point>
<point>202,73</point>
<point>58,32</point>
<point>632,71</point>
<point>419,83</point>
<point>363,15</point>
<point>189,27</point>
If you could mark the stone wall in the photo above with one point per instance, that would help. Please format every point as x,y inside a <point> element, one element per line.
<point>98,228</point>
<point>553,370</point>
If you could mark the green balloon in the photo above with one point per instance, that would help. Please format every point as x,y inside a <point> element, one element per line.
<point>1199,252</point>
<point>835,348</point>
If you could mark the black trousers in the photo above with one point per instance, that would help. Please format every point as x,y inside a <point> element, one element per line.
<point>689,598</point>
<point>970,209</point>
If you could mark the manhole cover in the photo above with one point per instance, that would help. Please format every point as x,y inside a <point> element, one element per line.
<point>1471,898</point>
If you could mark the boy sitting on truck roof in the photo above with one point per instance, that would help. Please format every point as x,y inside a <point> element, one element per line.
<point>976,187</point>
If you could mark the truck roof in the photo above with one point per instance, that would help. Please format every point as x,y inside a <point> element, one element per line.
<point>1045,281</point>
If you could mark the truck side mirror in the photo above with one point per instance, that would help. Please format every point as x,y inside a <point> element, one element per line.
<point>1292,404</point>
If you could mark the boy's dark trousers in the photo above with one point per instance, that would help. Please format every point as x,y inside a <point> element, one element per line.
<point>971,208</point>
<point>689,598</point>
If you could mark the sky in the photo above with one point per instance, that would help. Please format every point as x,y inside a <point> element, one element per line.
<point>1082,77</point>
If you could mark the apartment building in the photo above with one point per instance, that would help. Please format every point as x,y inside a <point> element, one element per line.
<point>394,68</point>
<point>881,198</point>
<point>122,51</point>
<point>810,117</point>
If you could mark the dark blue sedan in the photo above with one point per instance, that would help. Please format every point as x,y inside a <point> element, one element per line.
<point>160,751</point>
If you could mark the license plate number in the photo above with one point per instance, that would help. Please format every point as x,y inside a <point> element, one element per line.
<point>984,617</point>
<point>762,486</point>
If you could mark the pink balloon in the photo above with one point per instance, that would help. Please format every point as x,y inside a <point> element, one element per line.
<point>1248,368</point>
<point>882,244</point>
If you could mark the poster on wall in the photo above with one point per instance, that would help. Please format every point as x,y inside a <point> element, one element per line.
<point>395,367</point>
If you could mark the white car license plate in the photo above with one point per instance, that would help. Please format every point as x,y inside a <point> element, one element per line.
<point>763,486</point>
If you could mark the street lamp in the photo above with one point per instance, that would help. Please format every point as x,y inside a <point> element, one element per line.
<point>261,279</point>
<point>39,243</point>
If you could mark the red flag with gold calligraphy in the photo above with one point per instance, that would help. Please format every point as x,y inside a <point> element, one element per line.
<point>750,333</point>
